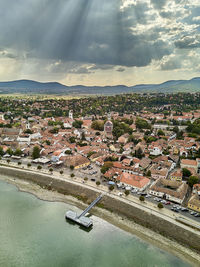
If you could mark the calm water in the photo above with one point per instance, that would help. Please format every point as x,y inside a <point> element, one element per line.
<point>35,233</point>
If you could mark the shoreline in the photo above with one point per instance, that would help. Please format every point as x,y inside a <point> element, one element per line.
<point>119,221</point>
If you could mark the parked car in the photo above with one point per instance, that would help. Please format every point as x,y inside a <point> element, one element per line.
<point>119,194</point>
<point>92,179</point>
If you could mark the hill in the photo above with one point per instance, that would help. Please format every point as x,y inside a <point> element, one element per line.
<point>55,88</point>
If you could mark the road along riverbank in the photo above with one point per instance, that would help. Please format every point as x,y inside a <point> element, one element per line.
<point>116,210</point>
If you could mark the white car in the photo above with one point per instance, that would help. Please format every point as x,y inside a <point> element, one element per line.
<point>120,194</point>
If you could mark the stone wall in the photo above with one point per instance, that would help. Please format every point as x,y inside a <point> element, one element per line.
<point>158,224</point>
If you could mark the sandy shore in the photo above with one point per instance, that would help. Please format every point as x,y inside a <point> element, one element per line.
<point>122,222</point>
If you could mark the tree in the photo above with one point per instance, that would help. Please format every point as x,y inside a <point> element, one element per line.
<point>141,198</point>
<point>36,152</point>
<point>19,163</point>
<point>1,151</point>
<point>51,170</point>
<point>68,152</point>
<point>77,124</point>
<point>72,139</point>
<point>85,178</point>
<point>28,164</point>
<point>97,125</point>
<point>61,172</point>
<point>160,205</point>
<point>193,180</point>
<point>107,165</point>
<point>18,152</point>
<point>98,183</point>
<point>71,167</point>
<point>111,187</point>
<point>160,132</point>
<point>127,192</point>
<point>39,167</point>
<point>138,153</point>
<point>72,175</point>
<point>149,173</point>
<point>8,161</point>
<point>186,172</point>
<point>9,151</point>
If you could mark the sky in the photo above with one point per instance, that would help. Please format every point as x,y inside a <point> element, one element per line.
<point>99,42</point>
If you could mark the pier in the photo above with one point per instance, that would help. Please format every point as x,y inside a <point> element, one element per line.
<point>82,219</point>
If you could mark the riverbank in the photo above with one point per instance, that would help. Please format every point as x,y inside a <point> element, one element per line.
<point>112,217</point>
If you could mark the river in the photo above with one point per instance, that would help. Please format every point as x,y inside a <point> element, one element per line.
<point>34,233</point>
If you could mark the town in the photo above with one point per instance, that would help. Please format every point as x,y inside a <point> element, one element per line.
<point>150,151</point>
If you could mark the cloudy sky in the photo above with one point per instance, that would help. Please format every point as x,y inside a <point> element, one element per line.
<point>99,42</point>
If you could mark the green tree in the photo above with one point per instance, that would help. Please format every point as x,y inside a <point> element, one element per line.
<point>160,205</point>
<point>149,173</point>
<point>107,165</point>
<point>36,152</point>
<point>61,171</point>
<point>193,180</point>
<point>127,192</point>
<point>1,151</point>
<point>71,167</point>
<point>77,124</point>
<point>39,167</point>
<point>186,172</point>
<point>111,187</point>
<point>141,198</point>
<point>72,175</point>
<point>98,183</point>
<point>160,132</point>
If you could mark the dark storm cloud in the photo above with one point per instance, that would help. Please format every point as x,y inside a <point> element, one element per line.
<point>87,31</point>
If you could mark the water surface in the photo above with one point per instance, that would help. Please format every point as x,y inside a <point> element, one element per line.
<point>34,233</point>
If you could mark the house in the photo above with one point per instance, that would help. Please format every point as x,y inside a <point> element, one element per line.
<point>134,181</point>
<point>78,161</point>
<point>176,175</point>
<point>189,164</point>
<point>171,190</point>
<point>155,150</point>
<point>194,202</point>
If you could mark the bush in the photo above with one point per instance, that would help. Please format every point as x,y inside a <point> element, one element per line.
<point>19,163</point>
<point>72,175</point>
<point>160,205</point>
<point>85,178</point>
<point>39,167</point>
<point>51,169</point>
<point>61,172</point>
<point>28,164</point>
<point>98,183</point>
<point>8,161</point>
<point>141,198</point>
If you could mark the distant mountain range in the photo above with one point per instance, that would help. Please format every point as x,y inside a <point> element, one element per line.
<point>54,88</point>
